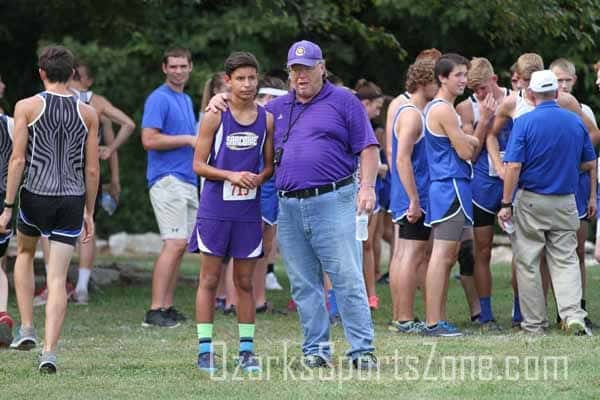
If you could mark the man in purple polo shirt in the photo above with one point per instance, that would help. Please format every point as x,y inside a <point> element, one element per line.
<point>321,133</point>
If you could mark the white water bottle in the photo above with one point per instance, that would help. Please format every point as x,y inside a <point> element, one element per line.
<point>108,203</point>
<point>362,227</point>
<point>509,227</point>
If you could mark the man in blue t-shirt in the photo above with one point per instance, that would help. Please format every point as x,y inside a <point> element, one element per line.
<point>168,134</point>
<point>546,150</point>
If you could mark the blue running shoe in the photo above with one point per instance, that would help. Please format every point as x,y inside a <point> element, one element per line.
<point>206,363</point>
<point>248,362</point>
<point>220,303</point>
<point>442,329</point>
<point>408,327</point>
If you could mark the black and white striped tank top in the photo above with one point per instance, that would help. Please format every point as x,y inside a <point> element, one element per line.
<point>6,129</point>
<point>55,151</point>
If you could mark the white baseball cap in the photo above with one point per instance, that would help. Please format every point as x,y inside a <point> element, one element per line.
<point>543,81</point>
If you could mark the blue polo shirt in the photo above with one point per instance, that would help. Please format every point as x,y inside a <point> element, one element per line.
<point>171,113</point>
<point>550,143</point>
<point>324,137</point>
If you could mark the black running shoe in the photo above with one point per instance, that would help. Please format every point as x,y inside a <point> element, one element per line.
<point>174,314</point>
<point>384,279</point>
<point>229,310</point>
<point>366,361</point>
<point>589,323</point>
<point>159,318</point>
<point>314,361</point>
<point>264,308</point>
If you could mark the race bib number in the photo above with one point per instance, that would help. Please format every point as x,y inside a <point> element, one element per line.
<point>491,168</point>
<point>236,193</point>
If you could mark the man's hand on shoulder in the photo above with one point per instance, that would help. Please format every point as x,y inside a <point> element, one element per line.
<point>218,103</point>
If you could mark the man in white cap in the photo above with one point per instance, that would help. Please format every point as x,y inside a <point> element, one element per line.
<point>546,150</point>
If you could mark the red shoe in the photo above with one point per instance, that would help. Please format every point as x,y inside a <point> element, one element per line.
<point>373,302</point>
<point>41,296</point>
<point>6,325</point>
<point>70,288</point>
<point>6,319</point>
<point>291,306</point>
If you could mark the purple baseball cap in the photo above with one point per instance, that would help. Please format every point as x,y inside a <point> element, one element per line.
<point>305,53</point>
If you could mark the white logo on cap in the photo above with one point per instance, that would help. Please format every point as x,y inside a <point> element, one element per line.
<point>300,51</point>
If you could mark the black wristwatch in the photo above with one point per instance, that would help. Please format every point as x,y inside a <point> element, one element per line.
<point>505,205</point>
<point>9,205</point>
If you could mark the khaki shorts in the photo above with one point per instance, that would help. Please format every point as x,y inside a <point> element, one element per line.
<point>175,204</point>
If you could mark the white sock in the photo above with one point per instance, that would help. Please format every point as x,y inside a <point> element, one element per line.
<point>84,278</point>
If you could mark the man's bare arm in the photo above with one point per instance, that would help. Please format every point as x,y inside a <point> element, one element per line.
<point>113,161</point>
<point>106,109</point>
<point>153,139</point>
<point>569,102</point>
<point>389,126</point>
<point>503,115</point>
<point>448,123</point>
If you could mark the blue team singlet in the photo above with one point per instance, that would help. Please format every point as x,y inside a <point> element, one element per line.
<point>420,169</point>
<point>486,185</point>
<point>450,188</point>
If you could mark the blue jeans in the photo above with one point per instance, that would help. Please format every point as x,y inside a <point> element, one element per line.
<point>317,235</point>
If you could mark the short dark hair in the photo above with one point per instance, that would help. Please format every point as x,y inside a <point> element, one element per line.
<point>272,82</point>
<point>240,59</point>
<point>367,90</point>
<point>446,63</point>
<point>176,52</point>
<point>79,63</point>
<point>57,62</point>
<point>334,79</point>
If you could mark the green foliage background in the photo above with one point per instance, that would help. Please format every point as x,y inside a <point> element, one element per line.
<point>375,39</point>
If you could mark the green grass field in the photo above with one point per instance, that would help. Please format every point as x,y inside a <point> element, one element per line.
<point>104,353</point>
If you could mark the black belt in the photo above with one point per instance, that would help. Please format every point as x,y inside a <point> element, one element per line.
<point>304,193</point>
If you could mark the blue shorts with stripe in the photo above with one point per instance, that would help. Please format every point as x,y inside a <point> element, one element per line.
<point>487,192</point>
<point>446,198</point>
<point>582,196</point>
<point>269,202</point>
<point>59,218</point>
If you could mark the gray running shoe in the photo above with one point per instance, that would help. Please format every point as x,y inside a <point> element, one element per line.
<point>25,339</point>
<point>81,297</point>
<point>490,327</point>
<point>47,362</point>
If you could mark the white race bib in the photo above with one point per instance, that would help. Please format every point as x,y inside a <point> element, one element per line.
<point>491,168</point>
<point>236,193</point>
